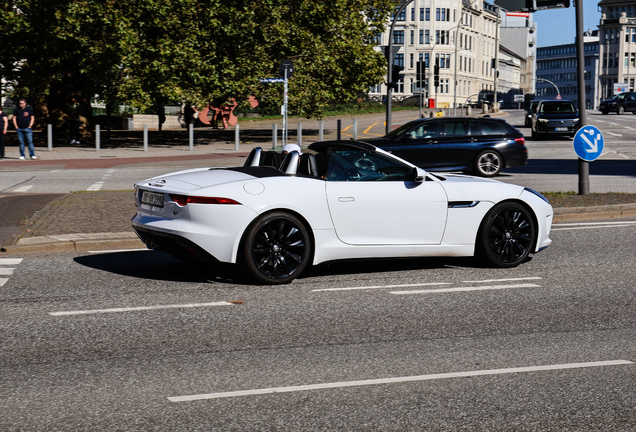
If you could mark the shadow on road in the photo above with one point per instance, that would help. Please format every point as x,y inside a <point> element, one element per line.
<point>565,166</point>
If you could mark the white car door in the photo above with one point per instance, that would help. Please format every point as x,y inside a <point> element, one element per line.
<point>374,200</point>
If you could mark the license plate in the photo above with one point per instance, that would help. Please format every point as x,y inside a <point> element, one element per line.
<point>561,129</point>
<point>152,198</point>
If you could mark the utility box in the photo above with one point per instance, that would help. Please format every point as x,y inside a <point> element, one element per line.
<point>431,102</point>
<point>128,123</point>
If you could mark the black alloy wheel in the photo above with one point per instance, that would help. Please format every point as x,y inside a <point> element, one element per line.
<point>488,163</point>
<point>276,248</point>
<point>507,235</point>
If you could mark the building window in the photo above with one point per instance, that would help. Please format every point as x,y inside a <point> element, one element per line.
<point>401,17</point>
<point>428,14</point>
<point>632,60</point>
<point>411,61</point>
<point>448,61</point>
<point>412,14</point>
<point>398,37</point>
<point>421,36</point>
<point>412,37</point>
<point>426,59</point>
<point>437,14</point>
<point>427,37</point>
<point>398,60</point>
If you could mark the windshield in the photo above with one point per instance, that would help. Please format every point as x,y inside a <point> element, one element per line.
<point>557,108</point>
<point>620,96</point>
<point>399,131</point>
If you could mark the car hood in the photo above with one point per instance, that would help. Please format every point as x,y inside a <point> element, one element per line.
<point>195,179</point>
<point>468,188</point>
<point>610,101</point>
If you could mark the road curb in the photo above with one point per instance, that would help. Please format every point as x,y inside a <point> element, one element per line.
<point>586,214</point>
<point>75,243</point>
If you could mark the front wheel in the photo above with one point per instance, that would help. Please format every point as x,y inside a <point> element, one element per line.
<point>605,112</point>
<point>488,163</point>
<point>276,248</point>
<point>506,236</point>
<point>620,110</point>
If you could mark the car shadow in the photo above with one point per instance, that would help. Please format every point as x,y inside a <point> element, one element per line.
<point>160,266</point>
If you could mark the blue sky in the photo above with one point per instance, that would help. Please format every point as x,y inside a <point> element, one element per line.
<point>558,26</point>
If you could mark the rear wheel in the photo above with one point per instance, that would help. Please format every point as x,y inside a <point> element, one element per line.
<point>506,236</point>
<point>488,163</point>
<point>276,248</point>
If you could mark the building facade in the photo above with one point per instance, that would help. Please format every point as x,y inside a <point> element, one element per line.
<point>557,72</point>
<point>459,36</point>
<point>617,45</point>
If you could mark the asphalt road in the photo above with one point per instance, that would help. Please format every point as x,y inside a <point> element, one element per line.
<point>546,346</point>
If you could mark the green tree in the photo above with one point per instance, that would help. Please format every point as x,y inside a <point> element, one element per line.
<point>144,52</point>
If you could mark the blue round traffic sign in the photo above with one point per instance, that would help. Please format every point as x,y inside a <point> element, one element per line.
<point>588,143</point>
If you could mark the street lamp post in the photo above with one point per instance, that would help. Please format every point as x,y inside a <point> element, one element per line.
<point>389,73</point>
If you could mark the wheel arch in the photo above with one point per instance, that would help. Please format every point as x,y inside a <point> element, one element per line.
<point>296,214</point>
<point>525,205</point>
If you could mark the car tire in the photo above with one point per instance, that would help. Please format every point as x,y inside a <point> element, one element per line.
<point>506,236</point>
<point>620,110</point>
<point>534,134</point>
<point>276,248</point>
<point>605,112</point>
<point>488,163</point>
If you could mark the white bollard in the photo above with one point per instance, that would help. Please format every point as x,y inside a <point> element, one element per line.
<point>49,131</point>
<point>236,137</point>
<point>321,129</point>
<point>299,134</point>
<point>274,136</point>
<point>191,136</point>
<point>97,143</point>
<point>355,129</point>
<point>145,137</point>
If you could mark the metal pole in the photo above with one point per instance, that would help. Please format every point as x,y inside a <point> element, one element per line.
<point>191,136</point>
<point>321,130</point>
<point>495,103</point>
<point>584,166</point>
<point>285,112</point>
<point>49,131</point>
<point>97,143</point>
<point>274,136</point>
<point>299,134</point>
<point>355,129</point>
<point>145,137</point>
<point>339,136</point>
<point>237,137</point>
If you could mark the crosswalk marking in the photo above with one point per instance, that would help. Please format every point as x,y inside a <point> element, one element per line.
<point>22,189</point>
<point>7,271</point>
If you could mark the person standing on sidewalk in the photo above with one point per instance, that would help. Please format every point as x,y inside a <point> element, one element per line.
<point>4,123</point>
<point>23,119</point>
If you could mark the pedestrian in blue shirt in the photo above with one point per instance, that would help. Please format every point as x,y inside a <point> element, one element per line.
<point>23,119</point>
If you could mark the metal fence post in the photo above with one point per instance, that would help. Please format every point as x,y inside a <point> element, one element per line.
<point>339,130</point>
<point>97,143</point>
<point>145,137</point>
<point>274,136</point>
<point>321,130</point>
<point>49,132</point>
<point>191,136</point>
<point>237,135</point>
<point>355,129</point>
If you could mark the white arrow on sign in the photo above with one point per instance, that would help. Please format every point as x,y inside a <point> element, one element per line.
<point>593,147</point>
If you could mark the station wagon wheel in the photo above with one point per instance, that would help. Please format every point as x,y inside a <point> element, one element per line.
<point>276,248</point>
<point>488,163</point>
<point>620,110</point>
<point>507,235</point>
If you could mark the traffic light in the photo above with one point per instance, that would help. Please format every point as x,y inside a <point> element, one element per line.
<point>420,74</point>
<point>531,5</point>
<point>436,75</point>
<point>395,76</point>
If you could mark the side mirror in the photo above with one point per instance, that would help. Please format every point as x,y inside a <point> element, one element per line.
<point>419,175</point>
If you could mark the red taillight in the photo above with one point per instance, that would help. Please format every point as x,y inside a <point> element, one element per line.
<point>183,200</point>
<point>520,141</point>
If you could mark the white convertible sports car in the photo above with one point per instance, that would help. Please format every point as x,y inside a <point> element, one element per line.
<point>339,200</point>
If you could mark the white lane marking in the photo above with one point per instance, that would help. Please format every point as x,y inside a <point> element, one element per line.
<point>615,134</point>
<point>382,286</point>
<point>505,280</point>
<point>595,223</point>
<point>3,281</point>
<point>118,250</point>
<point>466,289</point>
<point>10,261</point>
<point>394,380</point>
<point>6,271</point>
<point>141,308</point>
<point>588,227</point>
<point>95,186</point>
<point>22,189</point>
